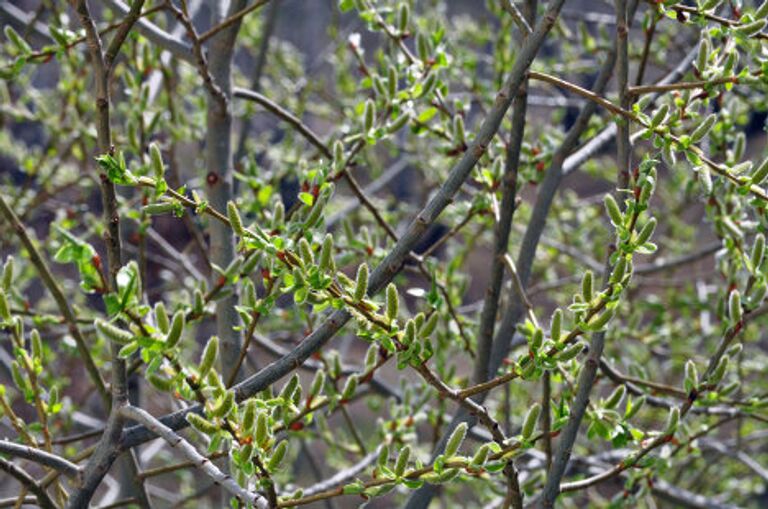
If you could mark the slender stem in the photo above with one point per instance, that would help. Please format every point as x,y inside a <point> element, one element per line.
<point>58,295</point>
<point>233,19</point>
<point>42,457</point>
<point>43,499</point>
<point>203,463</point>
<point>587,375</point>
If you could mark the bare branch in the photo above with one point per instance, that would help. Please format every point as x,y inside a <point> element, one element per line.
<point>201,462</point>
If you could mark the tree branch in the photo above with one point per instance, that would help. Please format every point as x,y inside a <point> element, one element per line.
<point>200,461</point>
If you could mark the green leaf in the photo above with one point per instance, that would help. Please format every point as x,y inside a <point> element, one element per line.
<point>115,169</point>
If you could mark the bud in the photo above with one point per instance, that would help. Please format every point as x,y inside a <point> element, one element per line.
<point>369,115</point>
<point>422,46</point>
<point>719,372</point>
<point>398,123</point>
<point>529,423</point>
<point>758,251</point>
<point>201,424</point>
<point>393,302</point>
<point>410,332</point>
<point>317,383</point>
<point>646,232</point>
<point>161,317</point>
<point>429,84</point>
<point>234,219</point>
<point>455,440</point>
<point>349,388</point>
<point>383,457</point>
<point>249,415</point>
<point>586,286</point>
<point>635,407</point>
<point>8,274</point>
<point>371,355</point>
<point>378,85</point>
<point>615,398</point>
<point>703,55</point>
<point>760,173</point>
<point>672,421</point>
<point>392,80</point>
<point>338,155</point>
<point>762,11</point>
<point>703,128</point>
<point>16,39</point>
<point>403,17</point>
<point>277,456</point>
<point>556,324</point>
<point>224,406</point>
<point>570,352</point>
<point>619,270</point>
<point>112,332</point>
<point>361,282</point>
<point>402,460</point>
<point>158,168</point>
<point>706,179</point>
<point>660,115</point>
<point>305,250</point>
<point>536,339</point>
<point>37,344</point>
<point>326,254</point>
<point>177,327</point>
<point>734,306</point>
<point>261,433</point>
<point>481,456</point>
<point>429,326</point>
<point>691,376</point>
<point>5,308</point>
<point>459,134</point>
<point>735,350</point>
<point>730,388</point>
<point>751,29</point>
<point>210,353</point>
<point>278,215</point>
<point>614,212</point>
<point>156,209</point>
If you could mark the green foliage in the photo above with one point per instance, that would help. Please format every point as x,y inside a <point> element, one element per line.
<point>360,151</point>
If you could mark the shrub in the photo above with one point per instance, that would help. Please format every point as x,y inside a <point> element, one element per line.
<point>513,252</point>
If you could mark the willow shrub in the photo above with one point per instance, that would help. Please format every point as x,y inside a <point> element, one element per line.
<point>491,252</point>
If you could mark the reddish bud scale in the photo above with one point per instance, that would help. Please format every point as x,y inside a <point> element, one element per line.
<point>281,256</point>
<point>27,305</point>
<point>265,274</point>
<point>367,377</point>
<point>296,426</point>
<point>409,421</point>
<point>246,440</point>
<point>535,151</point>
<point>316,356</point>
<point>221,281</point>
<point>315,190</point>
<point>212,178</point>
<point>309,401</point>
<point>540,166</point>
<point>369,250</point>
<point>96,261</point>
